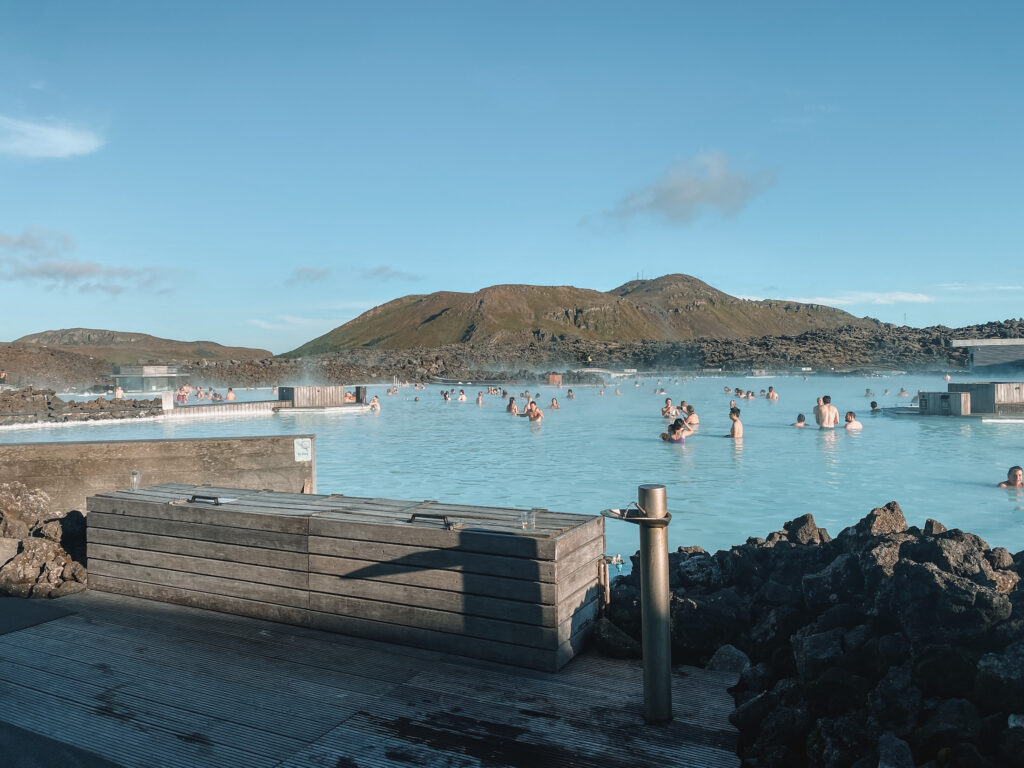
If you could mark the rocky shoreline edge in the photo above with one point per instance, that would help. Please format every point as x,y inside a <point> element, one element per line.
<point>847,349</point>
<point>42,406</point>
<point>888,645</point>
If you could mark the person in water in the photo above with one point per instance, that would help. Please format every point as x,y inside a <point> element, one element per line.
<point>692,419</point>
<point>532,412</point>
<point>512,407</point>
<point>677,432</point>
<point>875,408</point>
<point>1014,478</point>
<point>736,430</point>
<point>801,421</point>
<point>570,395</point>
<point>829,413</point>
<point>669,410</point>
<point>554,403</point>
<point>851,421</point>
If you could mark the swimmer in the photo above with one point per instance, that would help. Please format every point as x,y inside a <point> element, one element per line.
<point>1014,478</point>
<point>479,398</point>
<point>875,408</point>
<point>374,405</point>
<point>868,392</point>
<point>554,403</point>
<point>570,395</point>
<point>230,395</point>
<point>902,393</point>
<point>532,412</point>
<point>772,394</point>
<point>829,413</point>
<point>618,392</point>
<point>736,430</point>
<point>801,421</point>
<point>677,432</point>
<point>669,410</point>
<point>462,395</point>
<point>851,421</point>
<point>692,419</point>
<point>732,404</point>
<point>512,407</point>
<point>727,390</point>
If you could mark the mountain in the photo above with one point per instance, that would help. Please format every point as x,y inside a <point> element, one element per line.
<point>669,308</point>
<point>132,348</point>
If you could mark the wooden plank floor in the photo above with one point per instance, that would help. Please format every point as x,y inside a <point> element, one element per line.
<point>147,684</point>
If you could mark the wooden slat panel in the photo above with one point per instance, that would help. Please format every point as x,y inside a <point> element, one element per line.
<point>242,607</point>
<point>420,557</point>
<point>589,553</point>
<point>454,559</point>
<point>207,549</point>
<point>212,585</point>
<point>455,580</point>
<point>510,544</point>
<point>439,621</point>
<point>293,579</point>
<point>521,611</point>
<point>207,514</point>
<point>288,542</point>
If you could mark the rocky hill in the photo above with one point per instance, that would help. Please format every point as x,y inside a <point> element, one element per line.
<point>124,348</point>
<point>51,367</point>
<point>671,308</point>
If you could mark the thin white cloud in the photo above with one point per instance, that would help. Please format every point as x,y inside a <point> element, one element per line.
<point>866,297</point>
<point>383,273</point>
<point>682,193</point>
<point>40,257</point>
<point>40,242</point>
<point>285,322</point>
<point>21,138</point>
<point>978,287</point>
<point>305,275</point>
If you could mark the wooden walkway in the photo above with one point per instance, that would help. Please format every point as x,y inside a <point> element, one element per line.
<point>142,683</point>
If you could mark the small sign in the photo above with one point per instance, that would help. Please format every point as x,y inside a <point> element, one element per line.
<point>303,449</point>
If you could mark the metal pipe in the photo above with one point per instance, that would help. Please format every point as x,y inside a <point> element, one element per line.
<point>654,594</point>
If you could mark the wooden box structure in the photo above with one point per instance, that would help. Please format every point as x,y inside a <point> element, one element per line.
<point>312,397</point>
<point>462,579</point>
<point>945,403</point>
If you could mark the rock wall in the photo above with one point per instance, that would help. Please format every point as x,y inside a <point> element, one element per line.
<point>40,555</point>
<point>29,405</point>
<point>888,645</point>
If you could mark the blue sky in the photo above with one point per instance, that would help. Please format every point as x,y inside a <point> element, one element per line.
<point>259,173</point>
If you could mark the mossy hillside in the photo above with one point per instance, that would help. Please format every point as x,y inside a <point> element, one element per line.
<point>671,308</point>
<point>125,348</point>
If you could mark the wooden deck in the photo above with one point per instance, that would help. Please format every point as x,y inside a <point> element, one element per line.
<point>142,683</point>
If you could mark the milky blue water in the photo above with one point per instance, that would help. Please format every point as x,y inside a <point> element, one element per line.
<point>593,452</point>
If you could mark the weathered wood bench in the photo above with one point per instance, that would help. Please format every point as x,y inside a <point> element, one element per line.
<point>463,579</point>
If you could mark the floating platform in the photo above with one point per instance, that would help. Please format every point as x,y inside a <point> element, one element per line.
<point>461,579</point>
